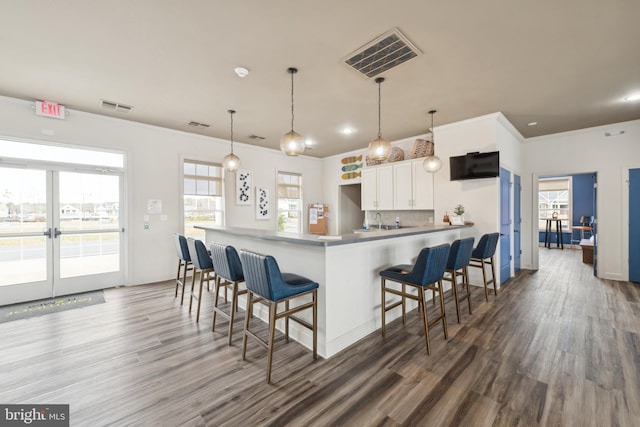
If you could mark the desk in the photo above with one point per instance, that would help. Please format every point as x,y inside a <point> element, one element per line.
<point>547,233</point>
<point>582,229</point>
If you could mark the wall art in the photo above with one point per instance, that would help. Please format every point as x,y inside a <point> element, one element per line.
<point>263,203</point>
<point>243,187</point>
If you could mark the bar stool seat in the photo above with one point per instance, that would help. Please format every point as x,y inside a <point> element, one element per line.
<point>457,266</point>
<point>202,264</point>
<point>267,284</point>
<point>229,274</point>
<point>483,255</point>
<point>184,263</point>
<point>425,274</point>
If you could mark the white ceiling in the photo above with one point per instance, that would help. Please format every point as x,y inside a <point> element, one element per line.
<point>564,64</point>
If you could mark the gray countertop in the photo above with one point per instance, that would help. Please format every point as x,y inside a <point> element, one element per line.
<point>316,240</point>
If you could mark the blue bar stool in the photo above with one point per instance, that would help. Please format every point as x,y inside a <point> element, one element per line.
<point>228,268</point>
<point>482,255</point>
<point>265,283</point>
<point>202,264</point>
<point>457,266</point>
<point>184,263</point>
<point>425,274</point>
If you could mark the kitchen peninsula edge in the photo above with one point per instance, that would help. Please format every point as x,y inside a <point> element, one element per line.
<point>346,270</point>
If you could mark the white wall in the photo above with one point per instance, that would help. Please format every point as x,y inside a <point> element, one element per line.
<point>589,150</point>
<point>154,168</point>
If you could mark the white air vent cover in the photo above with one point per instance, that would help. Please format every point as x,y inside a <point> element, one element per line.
<point>197,124</point>
<point>115,106</point>
<point>385,52</point>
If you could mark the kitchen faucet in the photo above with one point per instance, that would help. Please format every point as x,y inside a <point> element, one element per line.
<point>380,221</point>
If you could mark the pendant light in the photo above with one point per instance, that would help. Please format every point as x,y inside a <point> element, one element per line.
<point>291,142</point>
<point>231,162</point>
<point>379,148</point>
<point>432,163</point>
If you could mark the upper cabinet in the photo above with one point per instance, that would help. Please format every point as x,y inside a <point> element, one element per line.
<point>398,186</point>
<point>377,188</point>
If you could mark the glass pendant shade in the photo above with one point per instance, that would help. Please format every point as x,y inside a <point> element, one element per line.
<point>292,143</point>
<point>432,163</point>
<point>231,162</point>
<point>379,149</point>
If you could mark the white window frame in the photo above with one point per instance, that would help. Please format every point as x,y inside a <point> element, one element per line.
<point>300,212</point>
<point>219,211</point>
<point>546,185</point>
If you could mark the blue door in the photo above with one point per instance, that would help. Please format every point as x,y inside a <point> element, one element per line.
<point>517,222</point>
<point>505,225</point>
<point>634,225</point>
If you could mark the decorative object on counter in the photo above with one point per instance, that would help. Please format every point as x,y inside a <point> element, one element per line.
<point>396,155</point>
<point>432,163</point>
<point>459,210</point>
<point>350,166</point>
<point>446,217</point>
<point>421,148</point>
<point>469,223</point>
<point>379,148</point>
<point>292,142</point>
<point>263,203</point>
<point>231,162</point>
<point>456,220</point>
<point>243,187</point>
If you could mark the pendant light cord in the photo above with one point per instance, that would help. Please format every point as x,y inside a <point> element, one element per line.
<point>231,113</point>
<point>291,101</point>
<point>379,98</point>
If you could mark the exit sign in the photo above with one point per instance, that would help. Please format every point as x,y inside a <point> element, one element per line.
<point>50,109</point>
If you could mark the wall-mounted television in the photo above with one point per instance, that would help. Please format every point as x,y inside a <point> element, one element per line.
<point>475,166</point>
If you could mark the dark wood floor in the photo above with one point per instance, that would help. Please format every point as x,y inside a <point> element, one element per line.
<point>557,347</point>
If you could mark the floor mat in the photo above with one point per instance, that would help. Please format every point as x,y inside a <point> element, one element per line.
<point>50,305</point>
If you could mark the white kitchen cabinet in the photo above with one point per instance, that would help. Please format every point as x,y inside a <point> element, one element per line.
<point>413,186</point>
<point>377,188</point>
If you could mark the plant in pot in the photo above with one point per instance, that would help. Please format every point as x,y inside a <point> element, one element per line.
<point>459,210</point>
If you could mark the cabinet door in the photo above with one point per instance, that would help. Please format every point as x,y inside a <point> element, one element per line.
<point>385,187</point>
<point>403,194</point>
<point>422,186</point>
<point>368,189</point>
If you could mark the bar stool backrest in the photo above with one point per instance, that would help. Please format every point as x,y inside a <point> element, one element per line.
<point>460,253</point>
<point>199,256</point>
<point>486,246</point>
<point>430,265</point>
<point>226,262</point>
<point>262,275</point>
<point>181,247</point>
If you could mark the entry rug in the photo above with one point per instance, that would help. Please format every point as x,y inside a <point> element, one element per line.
<point>50,305</point>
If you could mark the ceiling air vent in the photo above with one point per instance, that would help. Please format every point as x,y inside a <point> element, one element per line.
<point>197,124</point>
<point>115,106</point>
<point>385,52</point>
<point>256,137</point>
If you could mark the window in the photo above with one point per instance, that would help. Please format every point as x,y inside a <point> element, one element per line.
<point>554,195</point>
<point>203,196</point>
<point>290,202</point>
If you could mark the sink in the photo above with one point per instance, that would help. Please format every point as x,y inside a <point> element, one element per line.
<point>394,227</point>
<point>362,230</point>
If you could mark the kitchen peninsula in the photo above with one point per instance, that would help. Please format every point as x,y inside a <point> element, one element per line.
<point>346,267</point>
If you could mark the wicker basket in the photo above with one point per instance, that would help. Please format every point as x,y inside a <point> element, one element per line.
<point>371,162</point>
<point>421,148</point>
<point>396,155</point>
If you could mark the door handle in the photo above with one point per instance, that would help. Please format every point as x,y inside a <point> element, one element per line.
<point>56,232</point>
<point>47,233</point>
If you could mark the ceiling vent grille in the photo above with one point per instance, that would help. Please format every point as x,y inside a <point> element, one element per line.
<point>115,106</point>
<point>385,52</point>
<point>195,124</point>
<point>256,137</point>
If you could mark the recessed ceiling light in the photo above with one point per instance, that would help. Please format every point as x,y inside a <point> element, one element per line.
<point>309,142</point>
<point>532,124</point>
<point>634,97</point>
<point>347,131</point>
<point>241,72</point>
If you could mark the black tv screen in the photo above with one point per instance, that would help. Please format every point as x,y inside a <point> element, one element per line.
<point>475,166</point>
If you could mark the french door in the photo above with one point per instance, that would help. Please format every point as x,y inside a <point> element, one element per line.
<point>60,232</point>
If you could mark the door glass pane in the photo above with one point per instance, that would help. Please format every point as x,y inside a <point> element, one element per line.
<point>89,214</point>
<point>23,200</point>
<point>85,254</point>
